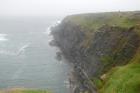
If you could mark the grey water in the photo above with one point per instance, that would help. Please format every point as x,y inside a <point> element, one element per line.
<point>26,58</point>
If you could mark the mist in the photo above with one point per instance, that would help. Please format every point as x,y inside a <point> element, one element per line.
<point>64,7</point>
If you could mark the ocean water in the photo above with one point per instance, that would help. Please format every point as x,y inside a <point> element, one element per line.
<point>26,58</point>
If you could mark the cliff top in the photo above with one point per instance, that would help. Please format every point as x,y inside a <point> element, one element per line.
<point>96,20</point>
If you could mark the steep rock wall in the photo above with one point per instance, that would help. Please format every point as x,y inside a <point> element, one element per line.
<point>94,52</point>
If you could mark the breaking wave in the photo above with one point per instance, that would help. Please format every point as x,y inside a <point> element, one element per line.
<point>48,29</point>
<point>3,37</point>
<point>22,49</point>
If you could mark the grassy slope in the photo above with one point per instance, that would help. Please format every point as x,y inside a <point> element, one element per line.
<point>123,79</point>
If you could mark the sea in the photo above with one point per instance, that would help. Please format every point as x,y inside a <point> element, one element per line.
<point>26,58</point>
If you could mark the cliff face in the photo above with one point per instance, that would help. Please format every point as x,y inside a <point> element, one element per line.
<point>96,44</point>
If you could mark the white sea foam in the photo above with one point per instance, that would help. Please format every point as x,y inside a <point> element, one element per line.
<point>58,22</point>
<point>3,37</point>
<point>19,52</point>
<point>48,30</point>
<point>22,49</point>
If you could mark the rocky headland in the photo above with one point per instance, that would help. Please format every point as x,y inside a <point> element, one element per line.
<point>104,49</point>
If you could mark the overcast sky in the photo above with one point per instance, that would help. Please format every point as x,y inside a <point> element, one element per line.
<point>64,7</point>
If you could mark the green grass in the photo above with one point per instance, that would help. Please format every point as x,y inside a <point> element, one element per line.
<point>35,91</point>
<point>97,82</point>
<point>95,21</point>
<point>124,79</point>
<point>20,90</point>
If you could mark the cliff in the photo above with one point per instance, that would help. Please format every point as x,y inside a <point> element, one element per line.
<point>104,49</point>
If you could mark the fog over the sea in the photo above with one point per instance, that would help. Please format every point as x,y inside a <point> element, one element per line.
<point>63,7</point>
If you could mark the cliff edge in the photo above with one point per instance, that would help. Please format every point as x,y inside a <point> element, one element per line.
<point>104,49</point>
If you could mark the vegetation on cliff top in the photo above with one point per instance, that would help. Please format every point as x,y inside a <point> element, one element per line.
<point>94,21</point>
<point>97,20</point>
